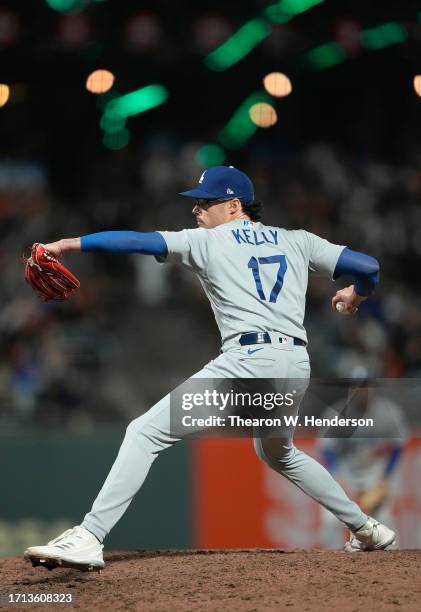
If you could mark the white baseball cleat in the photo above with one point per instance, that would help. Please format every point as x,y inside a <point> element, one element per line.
<point>77,548</point>
<point>371,536</point>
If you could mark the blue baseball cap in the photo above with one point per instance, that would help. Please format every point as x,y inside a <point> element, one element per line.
<point>222,182</point>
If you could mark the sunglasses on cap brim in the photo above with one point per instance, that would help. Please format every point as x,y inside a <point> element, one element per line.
<point>207,202</point>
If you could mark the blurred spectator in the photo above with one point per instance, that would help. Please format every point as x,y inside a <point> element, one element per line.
<point>364,459</point>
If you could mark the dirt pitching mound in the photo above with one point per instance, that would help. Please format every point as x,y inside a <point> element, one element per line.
<point>246,580</point>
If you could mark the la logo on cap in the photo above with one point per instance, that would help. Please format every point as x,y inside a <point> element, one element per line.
<point>202,177</point>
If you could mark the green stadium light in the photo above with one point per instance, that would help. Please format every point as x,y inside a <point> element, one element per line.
<point>385,35</point>
<point>112,124</point>
<point>210,155</point>
<point>276,15</point>
<point>136,102</point>
<point>116,140</point>
<point>240,127</point>
<point>238,45</point>
<point>296,7</point>
<point>118,108</point>
<point>285,10</point>
<point>325,56</point>
<point>63,6</point>
<point>246,38</point>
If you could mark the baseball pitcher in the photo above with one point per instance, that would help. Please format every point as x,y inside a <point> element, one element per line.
<point>255,277</point>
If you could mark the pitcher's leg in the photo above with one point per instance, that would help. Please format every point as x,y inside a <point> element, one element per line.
<point>310,477</point>
<point>145,437</point>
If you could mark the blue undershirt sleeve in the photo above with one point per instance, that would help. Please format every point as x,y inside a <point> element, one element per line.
<point>365,270</point>
<point>147,243</point>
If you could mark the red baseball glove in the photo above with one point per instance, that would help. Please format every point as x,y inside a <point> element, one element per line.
<point>47,276</point>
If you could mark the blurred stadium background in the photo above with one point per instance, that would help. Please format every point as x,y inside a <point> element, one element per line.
<point>336,152</point>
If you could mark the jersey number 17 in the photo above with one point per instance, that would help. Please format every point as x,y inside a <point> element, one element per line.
<point>254,263</point>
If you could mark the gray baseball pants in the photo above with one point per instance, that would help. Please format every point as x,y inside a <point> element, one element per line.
<point>151,433</point>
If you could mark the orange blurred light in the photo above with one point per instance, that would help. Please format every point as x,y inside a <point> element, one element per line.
<point>100,81</point>
<point>4,94</point>
<point>263,115</point>
<point>277,84</point>
<point>417,84</point>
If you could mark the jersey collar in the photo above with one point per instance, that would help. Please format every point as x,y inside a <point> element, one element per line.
<point>241,222</point>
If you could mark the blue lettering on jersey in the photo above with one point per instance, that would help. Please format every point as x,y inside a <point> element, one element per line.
<point>247,235</point>
<point>244,237</point>
<point>237,236</point>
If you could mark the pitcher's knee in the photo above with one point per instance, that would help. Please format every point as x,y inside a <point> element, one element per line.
<point>135,427</point>
<point>152,434</point>
<point>143,433</point>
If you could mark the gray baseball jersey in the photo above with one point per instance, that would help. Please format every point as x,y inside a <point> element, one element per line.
<point>254,275</point>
